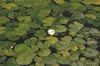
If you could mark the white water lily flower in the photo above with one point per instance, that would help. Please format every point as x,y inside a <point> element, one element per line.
<point>51,31</point>
<point>12,47</point>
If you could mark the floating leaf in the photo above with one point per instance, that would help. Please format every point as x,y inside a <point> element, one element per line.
<point>74,56</point>
<point>48,21</point>
<point>75,0</point>
<point>40,45</point>
<point>64,60</point>
<point>74,28</point>
<point>79,41</point>
<point>59,1</point>
<point>3,20</point>
<point>24,54</point>
<point>49,59</point>
<point>95,2</point>
<point>96,8</point>
<point>76,5</point>
<point>65,44</point>
<point>22,29</point>
<point>44,52</point>
<point>2,52</point>
<point>43,13</point>
<point>24,18</point>
<point>2,30</point>
<point>9,52</point>
<point>9,5</point>
<point>28,5</point>
<point>90,16</point>
<point>75,48</point>
<point>39,64</point>
<point>31,41</point>
<point>78,63</point>
<point>40,33</point>
<point>78,15</point>
<point>37,59</point>
<point>90,53</point>
<point>2,59</point>
<point>21,48</point>
<point>64,53</point>
<point>91,42</point>
<point>6,44</point>
<point>25,60</point>
<point>11,36</point>
<point>12,62</point>
<point>64,21</point>
<point>52,40</point>
<point>34,48</point>
<point>11,15</point>
<point>61,28</point>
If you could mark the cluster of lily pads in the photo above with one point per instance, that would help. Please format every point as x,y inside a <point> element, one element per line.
<point>25,39</point>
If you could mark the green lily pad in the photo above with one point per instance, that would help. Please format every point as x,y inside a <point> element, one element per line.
<point>48,21</point>
<point>49,59</point>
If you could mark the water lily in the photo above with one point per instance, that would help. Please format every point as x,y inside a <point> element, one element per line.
<point>51,31</point>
